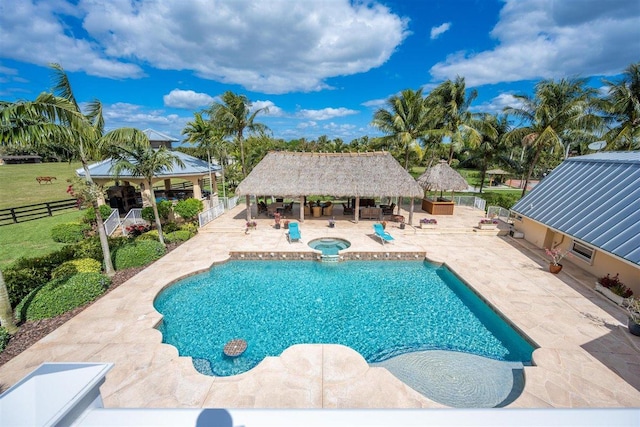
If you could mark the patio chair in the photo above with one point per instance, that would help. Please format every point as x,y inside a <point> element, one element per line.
<point>382,234</point>
<point>328,209</point>
<point>346,210</point>
<point>294,232</point>
<point>388,209</point>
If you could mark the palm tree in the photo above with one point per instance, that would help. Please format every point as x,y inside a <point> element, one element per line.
<point>407,119</point>
<point>201,132</point>
<point>132,152</point>
<point>456,120</point>
<point>557,110</point>
<point>233,116</point>
<point>622,105</point>
<point>55,120</point>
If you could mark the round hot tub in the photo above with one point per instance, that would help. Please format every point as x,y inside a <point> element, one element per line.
<point>329,245</point>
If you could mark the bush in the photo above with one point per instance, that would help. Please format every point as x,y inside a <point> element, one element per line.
<point>83,265</point>
<point>188,209</point>
<point>4,338</point>
<point>190,227</point>
<point>69,232</point>
<point>149,235</point>
<point>138,254</point>
<point>177,236</point>
<point>164,210</point>
<point>61,295</point>
<point>505,200</point>
<point>170,227</point>
<point>90,214</point>
<point>135,230</point>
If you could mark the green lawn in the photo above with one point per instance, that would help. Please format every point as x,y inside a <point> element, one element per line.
<point>32,238</point>
<point>19,186</point>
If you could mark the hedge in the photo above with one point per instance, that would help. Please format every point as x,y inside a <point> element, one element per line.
<point>90,214</point>
<point>177,236</point>
<point>506,200</point>
<point>82,265</point>
<point>61,295</point>
<point>4,338</point>
<point>138,253</point>
<point>69,232</point>
<point>188,209</point>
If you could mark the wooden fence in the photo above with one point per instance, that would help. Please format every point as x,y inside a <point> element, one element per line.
<point>31,212</point>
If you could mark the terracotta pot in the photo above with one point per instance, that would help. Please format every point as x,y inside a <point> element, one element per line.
<point>555,269</point>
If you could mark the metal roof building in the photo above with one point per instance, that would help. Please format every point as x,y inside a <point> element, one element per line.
<point>594,199</point>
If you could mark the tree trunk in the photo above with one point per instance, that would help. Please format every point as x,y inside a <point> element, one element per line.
<point>484,172</point>
<point>104,239</point>
<point>6,313</point>
<point>530,171</point>
<point>156,215</point>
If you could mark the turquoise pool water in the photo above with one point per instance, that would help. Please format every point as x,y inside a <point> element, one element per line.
<point>381,309</point>
<point>329,246</point>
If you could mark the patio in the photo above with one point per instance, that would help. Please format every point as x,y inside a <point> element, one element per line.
<point>586,357</point>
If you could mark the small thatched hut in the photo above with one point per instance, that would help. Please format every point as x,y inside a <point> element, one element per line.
<point>440,177</point>
<point>359,175</point>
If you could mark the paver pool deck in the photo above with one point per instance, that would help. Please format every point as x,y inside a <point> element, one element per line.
<point>586,356</point>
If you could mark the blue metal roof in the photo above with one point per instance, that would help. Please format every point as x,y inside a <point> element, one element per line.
<point>192,166</point>
<point>593,198</point>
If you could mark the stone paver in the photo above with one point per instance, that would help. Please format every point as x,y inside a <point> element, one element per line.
<point>586,357</point>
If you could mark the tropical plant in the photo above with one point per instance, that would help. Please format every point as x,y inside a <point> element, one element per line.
<point>622,106</point>
<point>233,116</point>
<point>406,120</point>
<point>132,152</point>
<point>6,313</point>
<point>556,111</point>
<point>55,120</point>
<point>189,208</point>
<point>452,102</point>
<point>556,255</point>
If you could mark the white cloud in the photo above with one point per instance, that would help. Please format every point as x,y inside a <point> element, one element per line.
<point>277,46</point>
<point>187,99</point>
<point>551,39</point>
<point>326,113</point>
<point>375,103</point>
<point>440,29</point>
<point>497,104</point>
<point>272,109</point>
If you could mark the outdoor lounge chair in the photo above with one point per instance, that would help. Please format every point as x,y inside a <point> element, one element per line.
<point>294,232</point>
<point>346,210</point>
<point>382,234</point>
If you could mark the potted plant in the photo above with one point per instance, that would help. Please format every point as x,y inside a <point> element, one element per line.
<point>332,222</point>
<point>402,224</point>
<point>384,225</point>
<point>428,222</point>
<point>556,256</point>
<point>633,308</point>
<point>488,224</point>
<point>251,225</point>
<point>286,224</point>
<point>613,288</point>
<point>276,217</point>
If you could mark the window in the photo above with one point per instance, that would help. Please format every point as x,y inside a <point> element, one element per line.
<point>583,252</point>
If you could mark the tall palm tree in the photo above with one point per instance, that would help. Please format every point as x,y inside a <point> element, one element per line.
<point>55,120</point>
<point>557,110</point>
<point>233,116</point>
<point>132,152</point>
<point>201,132</point>
<point>622,105</point>
<point>406,120</point>
<point>456,121</point>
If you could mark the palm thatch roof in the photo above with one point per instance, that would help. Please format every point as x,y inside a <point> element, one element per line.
<point>442,177</point>
<point>292,174</point>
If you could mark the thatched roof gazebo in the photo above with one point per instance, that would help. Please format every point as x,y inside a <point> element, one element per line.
<point>359,175</point>
<point>441,177</point>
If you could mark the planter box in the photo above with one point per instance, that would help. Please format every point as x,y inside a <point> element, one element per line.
<point>436,207</point>
<point>607,293</point>
<point>487,226</point>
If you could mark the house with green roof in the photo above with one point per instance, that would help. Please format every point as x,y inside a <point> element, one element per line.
<point>589,206</point>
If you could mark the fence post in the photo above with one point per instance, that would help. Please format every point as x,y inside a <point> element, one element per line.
<point>13,215</point>
<point>49,209</point>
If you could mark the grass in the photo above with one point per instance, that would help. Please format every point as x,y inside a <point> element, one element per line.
<point>19,186</point>
<point>32,238</point>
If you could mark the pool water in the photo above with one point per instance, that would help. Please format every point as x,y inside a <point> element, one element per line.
<point>381,309</point>
<point>329,246</point>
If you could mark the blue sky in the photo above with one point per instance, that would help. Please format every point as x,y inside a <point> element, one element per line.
<point>322,67</point>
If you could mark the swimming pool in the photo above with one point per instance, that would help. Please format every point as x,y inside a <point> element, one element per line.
<point>381,309</point>
<point>329,245</point>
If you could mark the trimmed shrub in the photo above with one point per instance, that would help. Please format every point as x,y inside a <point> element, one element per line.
<point>177,236</point>
<point>190,227</point>
<point>506,200</point>
<point>4,338</point>
<point>170,227</point>
<point>69,232</point>
<point>61,295</point>
<point>149,235</point>
<point>138,253</point>
<point>188,209</point>
<point>70,268</point>
<point>90,214</point>
<point>164,210</point>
